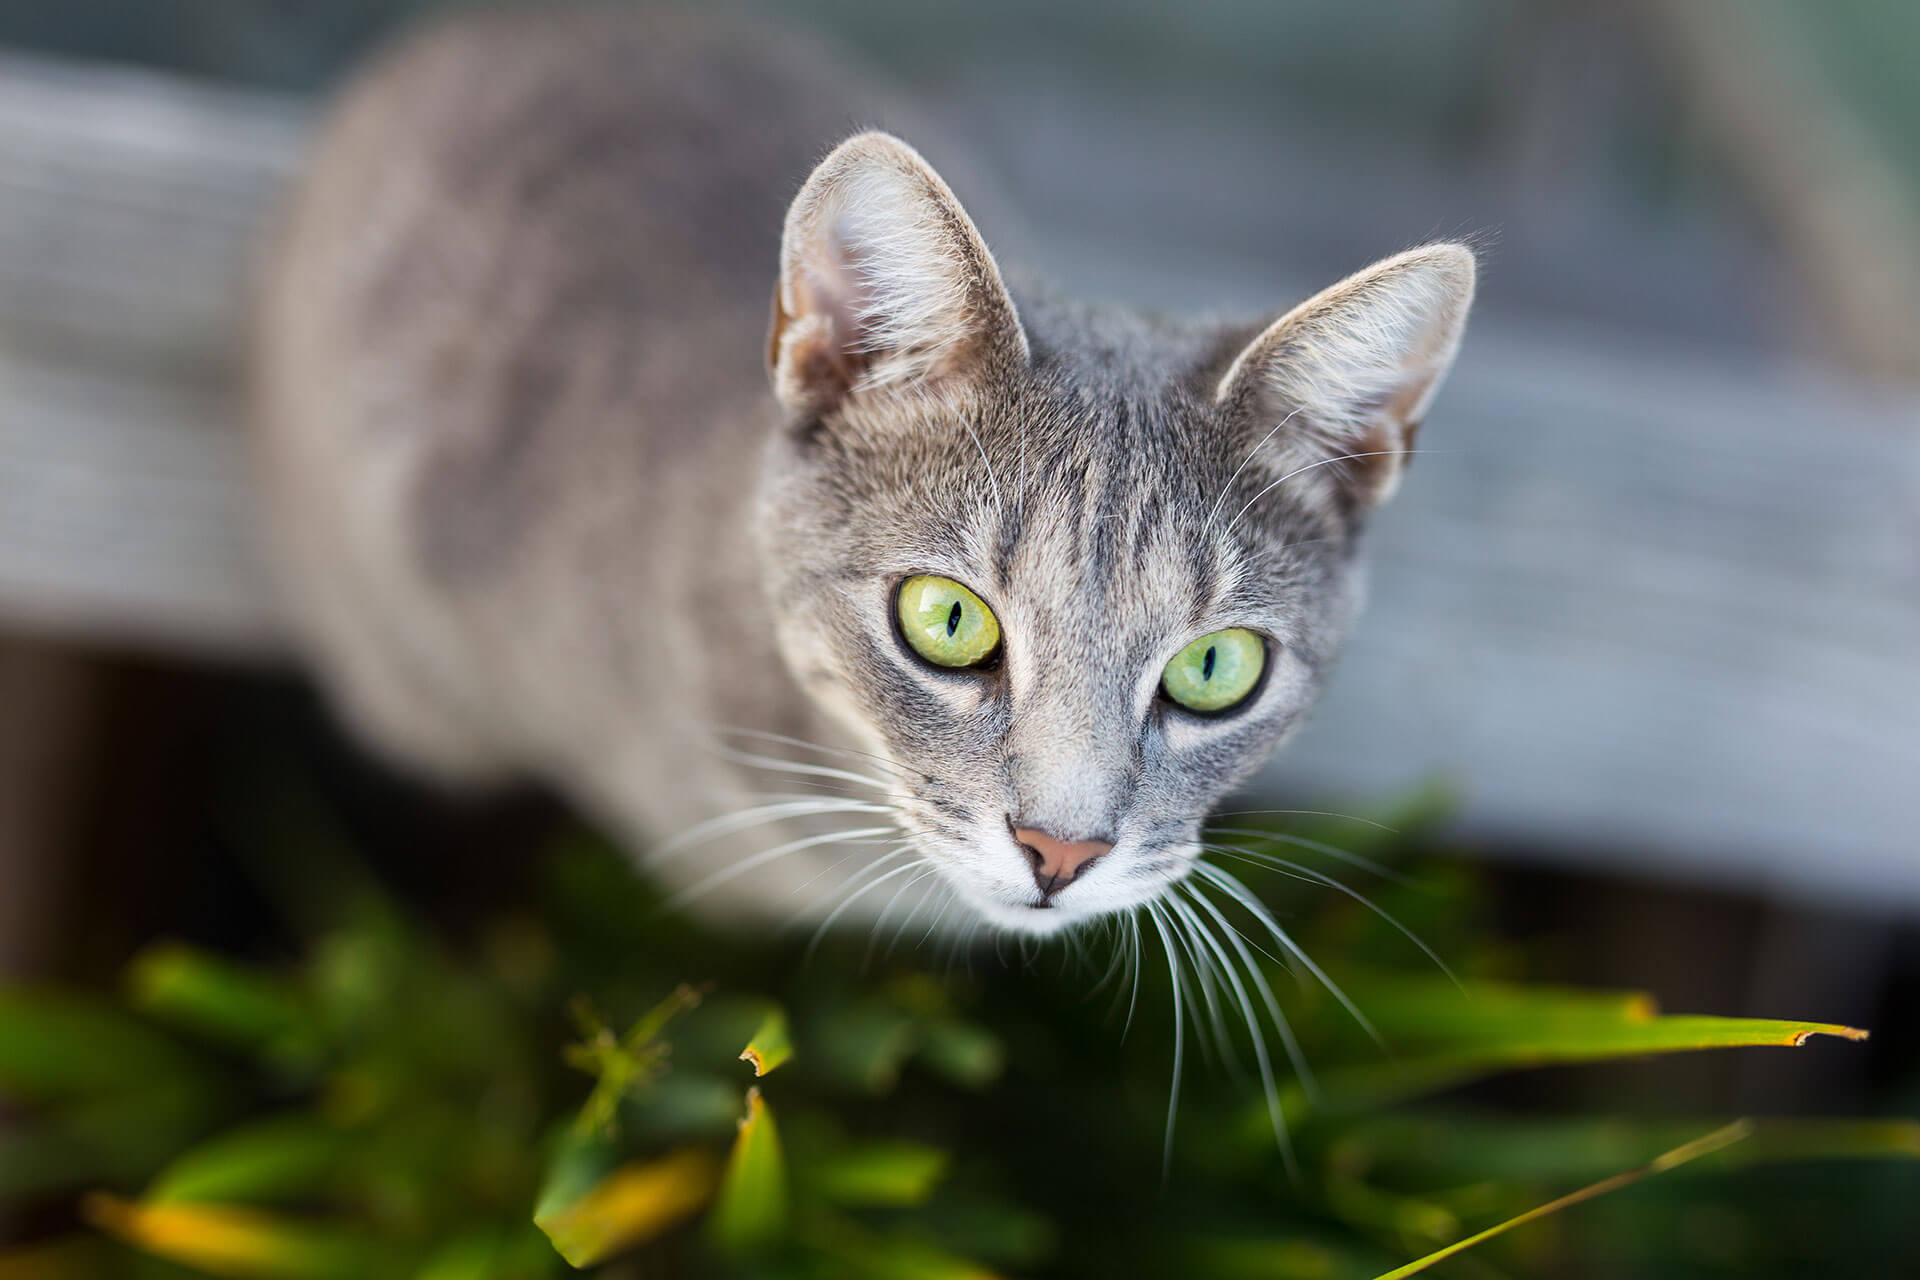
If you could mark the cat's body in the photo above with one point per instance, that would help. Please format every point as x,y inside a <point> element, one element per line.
<point>513,364</point>
<point>539,513</point>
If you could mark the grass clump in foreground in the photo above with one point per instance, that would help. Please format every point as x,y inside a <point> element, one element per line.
<point>596,1084</point>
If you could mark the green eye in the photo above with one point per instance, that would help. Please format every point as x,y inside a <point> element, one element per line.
<point>945,623</point>
<point>1217,671</point>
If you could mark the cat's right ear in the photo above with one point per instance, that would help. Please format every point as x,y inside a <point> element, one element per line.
<point>885,285</point>
<point>1354,368</point>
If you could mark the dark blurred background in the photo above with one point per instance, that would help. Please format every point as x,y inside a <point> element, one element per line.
<point>1651,608</point>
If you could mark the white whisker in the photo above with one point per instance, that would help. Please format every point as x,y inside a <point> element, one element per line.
<point>880,921</point>
<point>1345,457</point>
<point>1180,917</point>
<point>1270,1089</point>
<point>1179,1040</point>
<point>1296,871</point>
<point>1225,882</point>
<point>742,867</point>
<point>777,765</point>
<point>821,747</point>
<point>732,823</point>
<point>1305,813</point>
<point>1301,842</point>
<point>873,883</point>
<point>1227,488</point>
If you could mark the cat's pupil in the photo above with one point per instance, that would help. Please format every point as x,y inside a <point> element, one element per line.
<point>953,619</point>
<point>1206,669</point>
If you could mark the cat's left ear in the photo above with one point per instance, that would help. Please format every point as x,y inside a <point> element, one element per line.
<point>885,285</point>
<point>1352,370</point>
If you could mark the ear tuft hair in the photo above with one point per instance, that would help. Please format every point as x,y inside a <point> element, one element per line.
<point>884,282</point>
<point>1359,364</point>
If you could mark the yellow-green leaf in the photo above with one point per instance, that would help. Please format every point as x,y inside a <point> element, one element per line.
<point>751,1213</point>
<point>863,1044</point>
<point>634,1204</point>
<point>233,1241</point>
<point>770,1045</point>
<point>1453,1148</point>
<point>893,1174</point>
<point>205,993</point>
<point>857,1251</point>
<point>970,1056</point>
<point>1448,1036</point>
<point>1712,1142</point>
<point>1421,1011</point>
<point>56,1045</point>
<point>272,1159</point>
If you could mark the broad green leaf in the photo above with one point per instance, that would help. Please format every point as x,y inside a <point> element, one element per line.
<point>57,1045</point>
<point>680,1105</point>
<point>1277,1258</point>
<point>1426,1009</point>
<point>474,1256</point>
<point>1710,1143</point>
<point>113,1138</point>
<point>636,1203</point>
<point>578,1164</point>
<point>989,1229</point>
<point>1453,1148</point>
<point>856,1251</point>
<point>1428,1012</point>
<point>1450,1037</point>
<point>894,1174</point>
<point>970,1056</point>
<point>751,1213</point>
<point>863,1044</point>
<point>235,1241</point>
<point>262,1162</point>
<point>492,1253</point>
<point>215,997</point>
<point>770,1045</point>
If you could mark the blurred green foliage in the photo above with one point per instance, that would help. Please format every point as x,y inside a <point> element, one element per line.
<point>593,1081</point>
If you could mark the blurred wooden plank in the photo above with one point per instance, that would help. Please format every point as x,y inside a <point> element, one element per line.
<point>129,203</point>
<point>123,510</point>
<point>1656,608</point>
<point>1659,610</point>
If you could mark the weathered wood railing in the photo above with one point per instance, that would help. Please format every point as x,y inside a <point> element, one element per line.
<point>1654,608</point>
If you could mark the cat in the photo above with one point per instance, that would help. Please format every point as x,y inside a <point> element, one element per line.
<point>933,580</point>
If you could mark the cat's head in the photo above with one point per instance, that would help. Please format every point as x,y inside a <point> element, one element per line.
<point>1072,573</point>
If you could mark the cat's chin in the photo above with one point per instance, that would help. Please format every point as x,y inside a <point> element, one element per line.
<point>1035,922</point>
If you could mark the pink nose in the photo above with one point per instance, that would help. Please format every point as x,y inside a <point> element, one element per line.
<point>1057,862</point>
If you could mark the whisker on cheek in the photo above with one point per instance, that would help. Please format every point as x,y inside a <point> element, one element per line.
<point>734,871</point>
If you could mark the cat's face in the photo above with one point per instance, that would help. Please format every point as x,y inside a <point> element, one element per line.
<point>1069,582</point>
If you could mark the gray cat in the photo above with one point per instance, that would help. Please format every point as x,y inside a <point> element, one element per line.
<point>940,583</point>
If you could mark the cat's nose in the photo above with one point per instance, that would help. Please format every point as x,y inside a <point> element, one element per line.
<point>1056,862</point>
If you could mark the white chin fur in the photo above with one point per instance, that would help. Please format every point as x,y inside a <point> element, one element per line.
<point>1038,922</point>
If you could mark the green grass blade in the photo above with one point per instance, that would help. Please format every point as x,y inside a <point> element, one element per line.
<point>636,1203</point>
<point>751,1213</point>
<point>1421,1011</point>
<point>770,1045</point>
<point>56,1045</point>
<point>890,1174</point>
<point>212,996</point>
<point>243,1243</point>
<point>1715,1141</point>
<point>288,1156</point>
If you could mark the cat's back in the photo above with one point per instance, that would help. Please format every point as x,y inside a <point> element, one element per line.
<point>509,206</point>
<point>512,327</point>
